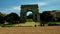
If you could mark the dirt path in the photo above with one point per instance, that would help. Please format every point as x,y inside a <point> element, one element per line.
<point>30,30</point>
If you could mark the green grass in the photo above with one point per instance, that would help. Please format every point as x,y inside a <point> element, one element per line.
<point>29,20</point>
<point>26,24</point>
<point>30,23</point>
<point>53,23</point>
<point>21,24</point>
<point>8,25</point>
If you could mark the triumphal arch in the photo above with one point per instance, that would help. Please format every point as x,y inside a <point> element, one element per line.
<point>33,9</point>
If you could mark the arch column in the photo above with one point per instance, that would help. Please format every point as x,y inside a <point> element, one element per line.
<point>22,16</point>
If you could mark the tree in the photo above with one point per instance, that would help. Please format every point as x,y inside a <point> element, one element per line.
<point>12,18</point>
<point>30,16</point>
<point>45,17</point>
<point>2,21</point>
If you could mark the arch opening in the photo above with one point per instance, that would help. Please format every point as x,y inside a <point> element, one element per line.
<point>29,16</point>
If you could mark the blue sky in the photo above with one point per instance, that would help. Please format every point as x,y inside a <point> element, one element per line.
<point>8,6</point>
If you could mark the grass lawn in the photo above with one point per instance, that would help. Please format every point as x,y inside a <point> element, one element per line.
<point>29,24</point>
<point>22,24</point>
<point>29,20</point>
<point>53,23</point>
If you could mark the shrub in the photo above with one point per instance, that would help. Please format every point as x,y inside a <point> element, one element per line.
<point>53,23</point>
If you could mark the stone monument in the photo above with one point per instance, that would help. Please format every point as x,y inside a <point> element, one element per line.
<point>33,8</point>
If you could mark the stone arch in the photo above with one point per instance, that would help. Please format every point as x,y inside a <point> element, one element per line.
<point>33,9</point>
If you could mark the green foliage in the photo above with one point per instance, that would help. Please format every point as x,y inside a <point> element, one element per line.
<point>7,25</point>
<point>29,20</point>
<point>1,18</point>
<point>46,16</point>
<point>30,16</point>
<point>12,18</point>
<point>53,23</point>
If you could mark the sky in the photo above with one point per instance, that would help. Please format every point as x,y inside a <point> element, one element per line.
<point>8,6</point>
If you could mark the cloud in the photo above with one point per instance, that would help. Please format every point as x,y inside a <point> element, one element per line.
<point>42,3</point>
<point>15,9</point>
<point>12,9</point>
<point>39,3</point>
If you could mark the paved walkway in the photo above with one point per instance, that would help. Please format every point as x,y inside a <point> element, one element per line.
<point>30,30</point>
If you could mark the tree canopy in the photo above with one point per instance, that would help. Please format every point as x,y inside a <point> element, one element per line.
<point>12,18</point>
